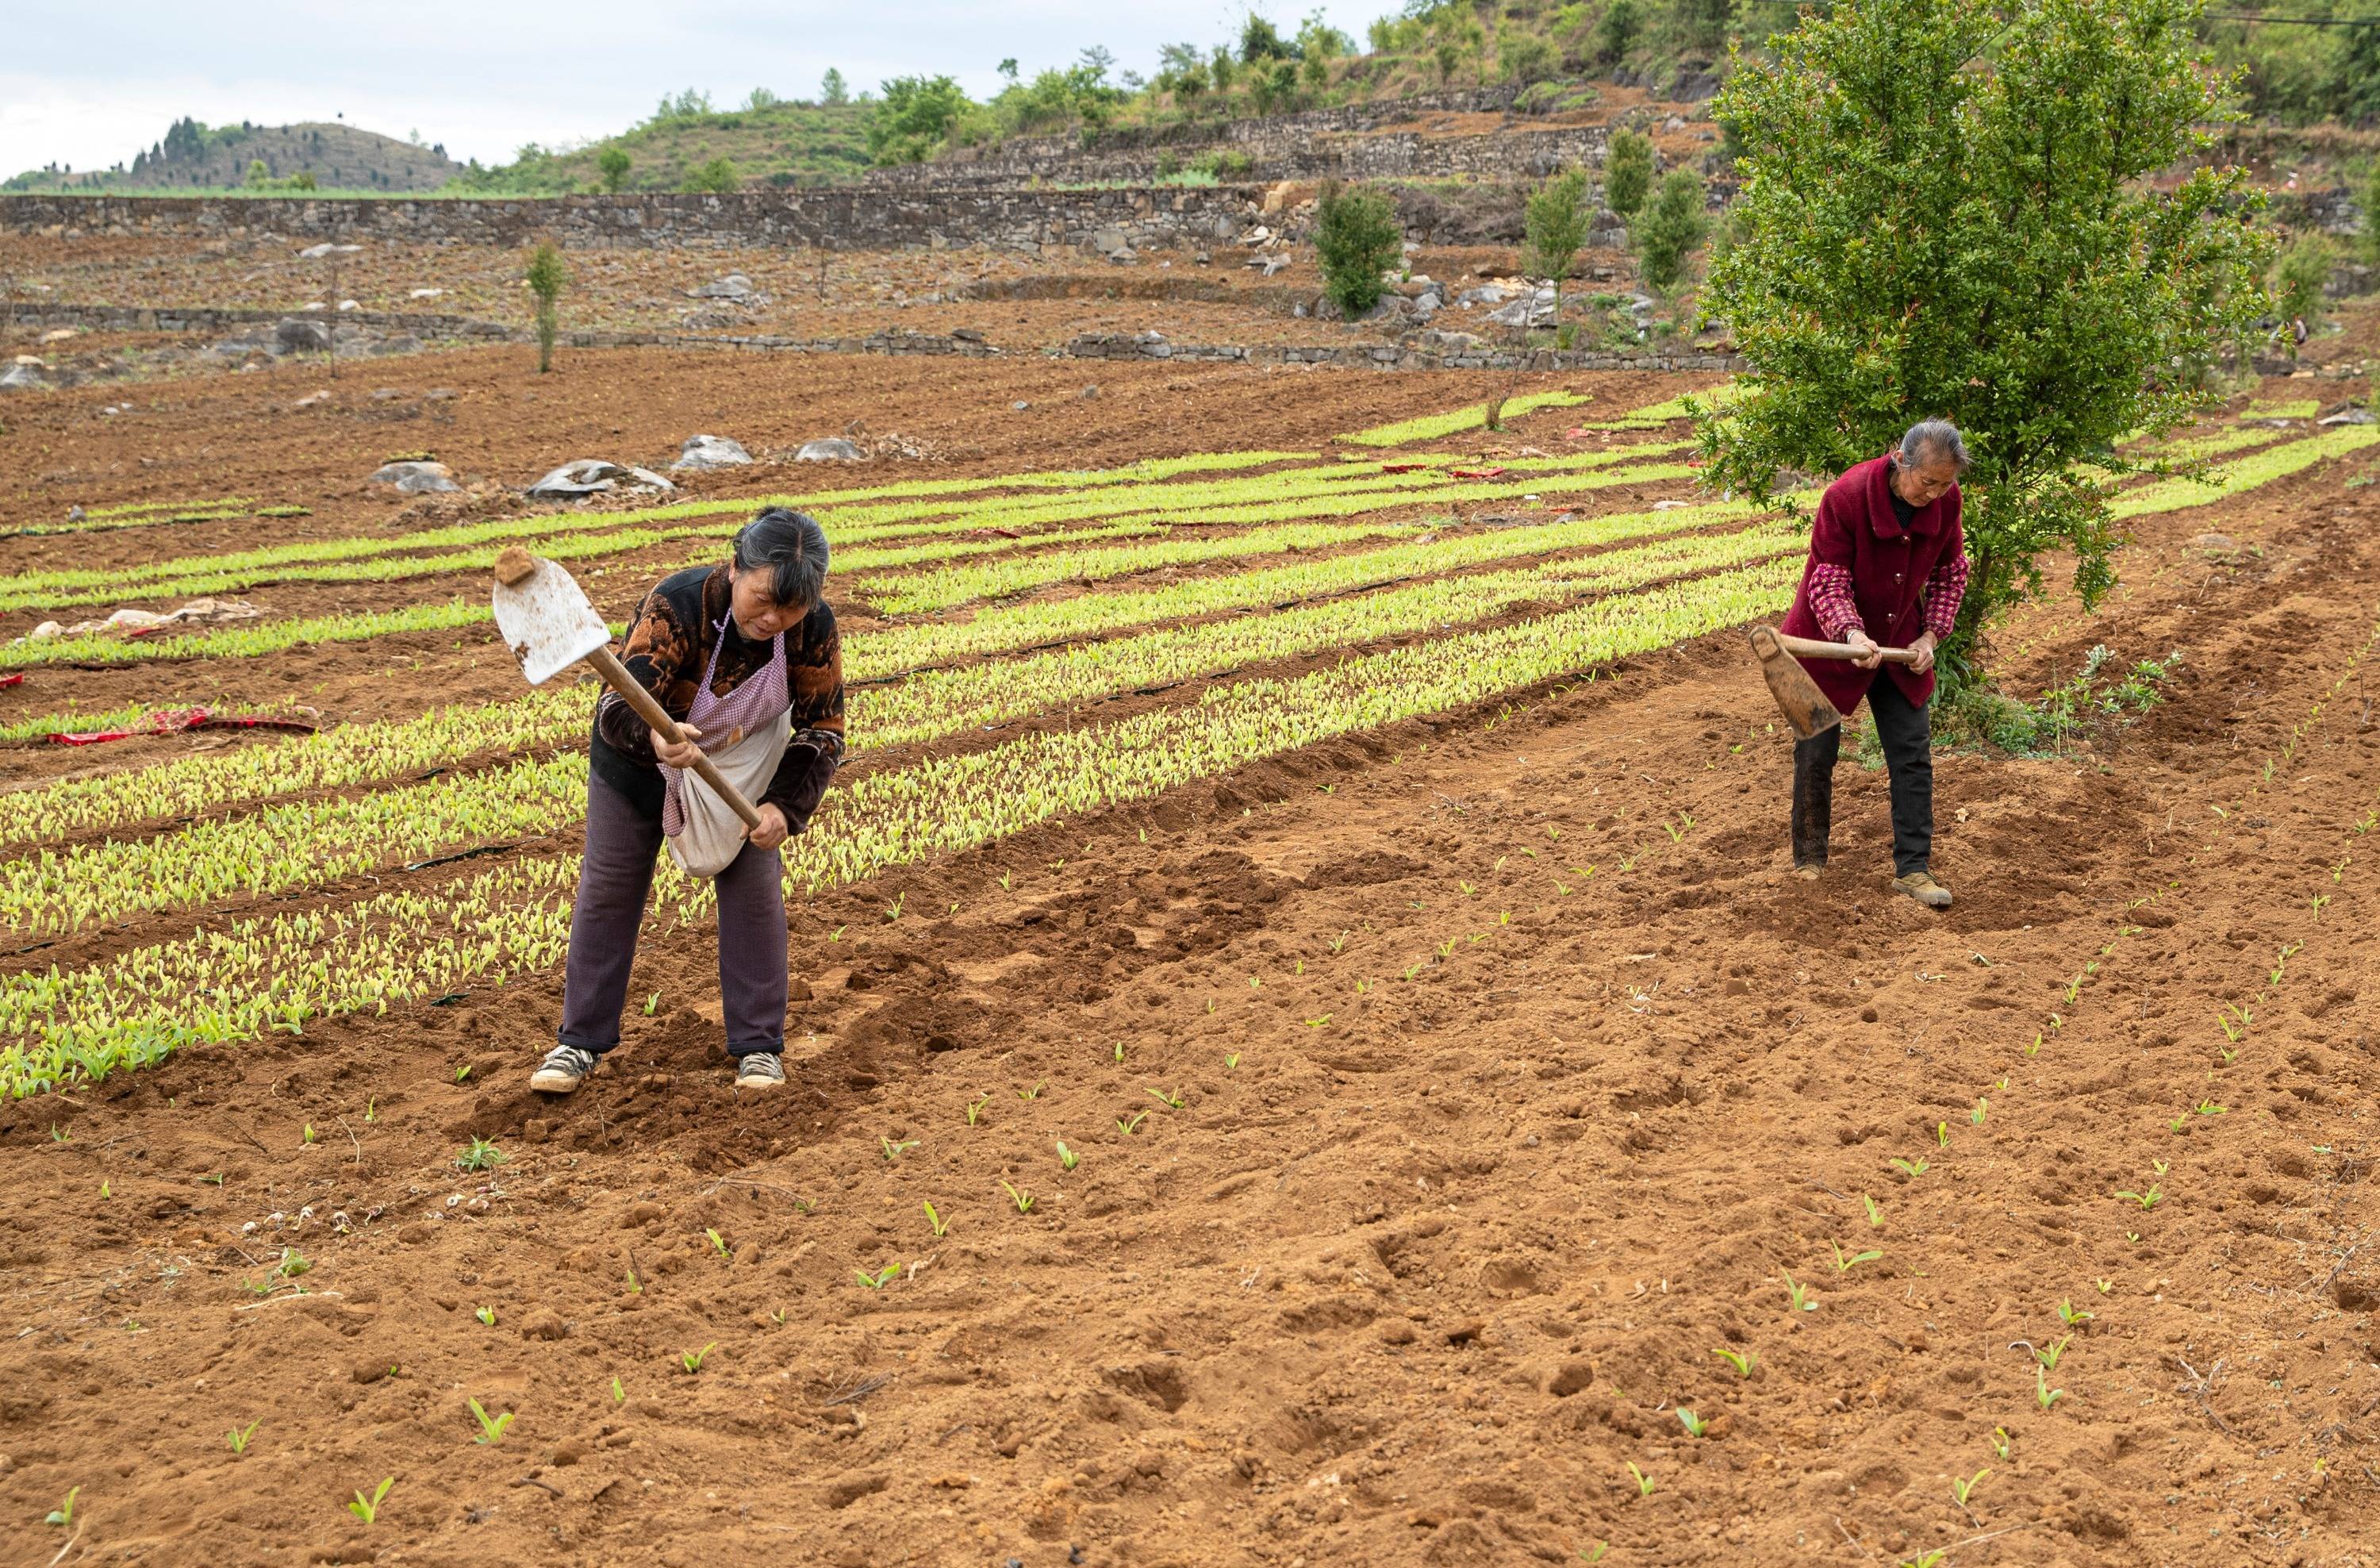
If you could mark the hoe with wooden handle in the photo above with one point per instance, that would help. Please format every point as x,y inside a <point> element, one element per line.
<point>549,624</point>
<point>1798,697</point>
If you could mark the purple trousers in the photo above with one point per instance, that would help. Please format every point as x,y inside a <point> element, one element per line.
<point>613,880</point>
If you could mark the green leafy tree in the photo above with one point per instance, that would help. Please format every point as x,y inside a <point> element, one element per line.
<point>716,174</point>
<point>612,164</point>
<point>1671,229</point>
<point>1946,212</point>
<point>1703,24</point>
<point>546,276</point>
<point>917,116</point>
<point>1524,57</point>
<point>1356,239</point>
<point>1558,215</point>
<point>832,87</point>
<point>1627,173</point>
<point>1616,31</point>
<point>1259,40</point>
<point>2297,281</point>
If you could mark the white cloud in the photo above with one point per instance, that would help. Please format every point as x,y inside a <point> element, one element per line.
<point>484,78</point>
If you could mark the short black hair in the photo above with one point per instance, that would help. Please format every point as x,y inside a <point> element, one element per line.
<point>792,547</point>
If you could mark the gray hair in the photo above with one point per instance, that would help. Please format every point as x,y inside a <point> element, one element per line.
<point>1938,438</point>
<point>791,548</point>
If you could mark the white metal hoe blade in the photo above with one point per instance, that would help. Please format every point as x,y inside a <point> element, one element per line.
<point>547,622</point>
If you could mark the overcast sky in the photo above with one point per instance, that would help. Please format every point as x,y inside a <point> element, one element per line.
<point>95,83</point>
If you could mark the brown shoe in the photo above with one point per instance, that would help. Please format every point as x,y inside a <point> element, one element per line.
<point>1808,873</point>
<point>1921,886</point>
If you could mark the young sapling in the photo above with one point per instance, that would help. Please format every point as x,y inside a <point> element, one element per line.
<point>1643,1481</point>
<point>1743,1361</point>
<point>1844,1263</point>
<point>238,1436</point>
<point>890,1272</point>
<point>368,1508</point>
<point>2042,1394</point>
<point>1067,1158</point>
<point>486,1315</point>
<point>1024,1200</point>
<point>481,1155</point>
<point>1965,1489</point>
<point>1695,1426</point>
<point>692,1359</point>
<point>491,1427</point>
<point>940,1226</point>
<point>63,1513</point>
<point>1799,1294</point>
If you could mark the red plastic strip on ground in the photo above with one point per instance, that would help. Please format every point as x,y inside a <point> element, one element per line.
<point>16,679</point>
<point>175,721</point>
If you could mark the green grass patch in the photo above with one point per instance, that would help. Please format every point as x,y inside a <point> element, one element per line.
<point>1429,427</point>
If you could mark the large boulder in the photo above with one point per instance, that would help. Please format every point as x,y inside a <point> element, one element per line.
<point>22,376</point>
<point>710,452</point>
<point>295,334</point>
<point>735,285</point>
<point>415,478</point>
<point>833,449</point>
<point>1530,310</point>
<point>593,476</point>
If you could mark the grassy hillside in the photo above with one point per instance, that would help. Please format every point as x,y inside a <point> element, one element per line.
<point>766,143</point>
<point>191,156</point>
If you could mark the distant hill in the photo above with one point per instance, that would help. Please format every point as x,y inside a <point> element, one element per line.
<point>767,142</point>
<point>195,156</point>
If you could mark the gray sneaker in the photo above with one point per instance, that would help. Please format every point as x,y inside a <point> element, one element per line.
<point>563,1069</point>
<point>761,1069</point>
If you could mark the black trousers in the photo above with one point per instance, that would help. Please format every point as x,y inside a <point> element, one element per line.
<point>1908,738</point>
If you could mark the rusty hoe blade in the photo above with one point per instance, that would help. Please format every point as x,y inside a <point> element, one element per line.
<point>1798,697</point>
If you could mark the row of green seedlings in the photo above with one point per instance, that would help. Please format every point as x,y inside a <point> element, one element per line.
<point>933,642</point>
<point>304,843</point>
<point>137,1007</point>
<point>150,514</point>
<point>1355,489</point>
<point>940,702</point>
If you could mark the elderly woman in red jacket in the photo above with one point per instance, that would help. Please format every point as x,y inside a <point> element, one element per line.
<point>1887,569</point>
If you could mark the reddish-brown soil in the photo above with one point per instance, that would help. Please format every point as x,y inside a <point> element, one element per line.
<point>1419,1276</point>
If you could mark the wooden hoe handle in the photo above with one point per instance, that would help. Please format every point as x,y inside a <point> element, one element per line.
<point>615,675</point>
<point>1808,647</point>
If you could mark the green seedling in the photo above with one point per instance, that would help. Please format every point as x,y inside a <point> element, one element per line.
<point>63,1513</point>
<point>293,1263</point>
<point>878,1280</point>
<point>1942,1134</point>
<point>1875,1212</point>
<point>1924,1560</point>
<point>836,934</point>
<point>1067,1158</point>
<point>1845,1265</point>
<point>481,1155</point>
<point>1297,966</point>
<point>894,1150</point>
<point>2104,1287</point>
<point>893,910</point>
<point>778,1316</point>
<point>2160,1166</point>
<point>2048,1355</point>
<point>636,1285</point>
<point>486,1315</point>
<point>237,1437</point>
<point>215,1180</point>
<point>368,1508</point>
<point>974,1107</point>
<point>1743,1361</point>
<point>2208,1108</point>
<point>1911,1168</point>
<point>107,1189</point>
<point>1310,1023</point>
<point>653,1004</point>
<point>1982,1106</point>
<point>1255,984</point>
<point>1799,1294</point>
<point>1415,969</point>
<point>1695,1426</point>
<point>692,1359</point>
<point>2148,1199</point>
<point>619,1394</point>
<point>1024,1200</point>
<point>2178,1123</point>
<point>1643,1481</point>
<point>1585,1555</point>
<point>60,1135</point>
<point>462,1072</point>
<point>1964,1489</point>
<point>2000,1440</point>
<point>491,1427</point>
<point>1172,1102</point>
<point>934,1222</point>
<point>371,1110</point>
<point>308,1135</point>
<point>1033,1093</point>
<point>717,1245</point>
<point>2042,1394</point>
<point>1119,1052</point>
<point>2034,1049</point>
<point>1232,1060</point>
<point>1128,1125</point>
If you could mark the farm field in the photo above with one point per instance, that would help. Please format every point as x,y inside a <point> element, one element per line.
<point>1306,1047</point>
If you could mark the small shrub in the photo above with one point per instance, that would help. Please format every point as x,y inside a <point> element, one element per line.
<point>546,275</point>
<point>718,175</point>
<point>1670,229</point>
<point>1627,170</point>
<point>1356,239</point>
<point>1556,226</point>
<point>612,164</point>
<point>1616,33</point>
<point>2304,267</point>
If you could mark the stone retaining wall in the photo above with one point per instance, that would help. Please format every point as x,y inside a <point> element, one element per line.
<point>1521,153</point>
<point>846,219</point>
